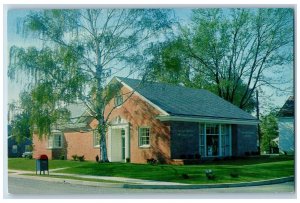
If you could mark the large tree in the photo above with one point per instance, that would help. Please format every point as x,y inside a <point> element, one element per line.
<point>269,131</point>
<point>230,52</point>
<point>79,51</point>
<point>19,121</point>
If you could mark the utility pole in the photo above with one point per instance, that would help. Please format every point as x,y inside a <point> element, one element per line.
<point>258,127</point>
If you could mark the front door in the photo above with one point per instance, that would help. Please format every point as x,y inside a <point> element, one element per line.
<point>118,143</point>
<point>123,143</point>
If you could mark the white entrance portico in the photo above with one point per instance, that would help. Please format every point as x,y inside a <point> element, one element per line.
<point>118,143</point>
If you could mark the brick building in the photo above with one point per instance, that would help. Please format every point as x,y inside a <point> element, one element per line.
<point>158,121</point>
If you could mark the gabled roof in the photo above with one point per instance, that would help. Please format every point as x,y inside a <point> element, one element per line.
<point>287,109</point>
<point>187,102</point>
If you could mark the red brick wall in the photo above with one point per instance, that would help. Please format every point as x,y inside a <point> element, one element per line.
<point>74,143</point>
<point>40,146</point>
<point>81,144</point>
<point>138,113</point>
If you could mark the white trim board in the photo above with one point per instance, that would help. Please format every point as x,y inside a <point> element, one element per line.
<point>207,120</point>
<point>142,97</point>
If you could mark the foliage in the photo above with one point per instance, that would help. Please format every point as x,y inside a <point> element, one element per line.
<point>75,157</point>
<point>81,158</point>
<point>230,52</point>
<point>80,50</point>
<point>269,131</point>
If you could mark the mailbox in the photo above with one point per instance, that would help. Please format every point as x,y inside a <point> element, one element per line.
<point>42,164</point>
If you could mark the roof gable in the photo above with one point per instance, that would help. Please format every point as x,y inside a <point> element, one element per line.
<point>182,101</point>
<point>287,109</point>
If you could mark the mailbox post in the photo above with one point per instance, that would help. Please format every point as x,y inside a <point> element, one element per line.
<point>42,164</point>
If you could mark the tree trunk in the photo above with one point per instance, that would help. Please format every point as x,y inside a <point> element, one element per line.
<point>103,148</point>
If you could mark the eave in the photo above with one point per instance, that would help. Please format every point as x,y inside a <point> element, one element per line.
<point>208,120</point>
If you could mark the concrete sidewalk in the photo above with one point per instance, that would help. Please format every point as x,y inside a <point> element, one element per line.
<point>105,178</point>
<point>136,183</point>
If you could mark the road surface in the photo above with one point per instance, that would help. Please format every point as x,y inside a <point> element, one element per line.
<point>28,188</point>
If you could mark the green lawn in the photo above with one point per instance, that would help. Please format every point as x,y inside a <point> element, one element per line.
<point>250,169</point>
<point>29,164</point>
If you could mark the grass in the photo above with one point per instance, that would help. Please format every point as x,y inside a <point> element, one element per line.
<point>248,169</point>
<point>29,164</point>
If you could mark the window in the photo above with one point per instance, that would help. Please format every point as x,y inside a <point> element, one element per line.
<point>28,148</point>
<point>55,140</point>
<point>96,137</point>
<point>214,139</point>
<point>144,137</point>
<point>118,100</point>
<point>14,149</point>
<point>202,139</point>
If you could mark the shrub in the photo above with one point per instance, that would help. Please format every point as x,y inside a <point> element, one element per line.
<point>75,157</point>
<point>197,156</point>
<point>127,160</point>
<point>29,156</point>
<point>152,161</point>
<point>234,174</point>
<point>185,176</point>
<point>210,175</point>
<point>62,157</point>
<point>97,158</point>
<point>81,158</point>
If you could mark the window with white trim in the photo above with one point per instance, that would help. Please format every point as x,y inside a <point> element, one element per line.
<point>14,149</point>
<point>144,137</point>
<point>96,138</point>
<point>118,100</point>
<point>55,141</point>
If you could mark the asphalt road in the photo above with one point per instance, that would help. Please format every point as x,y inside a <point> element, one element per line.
<point>27,188</point>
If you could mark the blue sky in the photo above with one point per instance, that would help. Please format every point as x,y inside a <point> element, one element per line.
<point>17,38</point>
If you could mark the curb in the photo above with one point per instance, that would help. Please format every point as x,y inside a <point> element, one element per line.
<point>205,186</point>
<point>69,181</point>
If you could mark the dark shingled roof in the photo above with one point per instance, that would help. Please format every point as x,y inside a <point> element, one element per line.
<point>183,101</point>
<point>288,108</point>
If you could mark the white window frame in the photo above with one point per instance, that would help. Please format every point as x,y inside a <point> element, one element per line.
<point>53,143</point>
<point>28,148</point>
<point>220,134</point>
<point>118,100</point>
<point>142,145</point>
<point>14,149</point>
<point>96,139</point>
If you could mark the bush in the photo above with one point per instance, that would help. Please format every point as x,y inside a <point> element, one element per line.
<point>62,157</point>
<point>234,174</point>
<point>29,156</point>
<point>197,156</point>
<point>210,175</point>
<point>152,161</point>
<point>81,158</point>
<point>185,176</point>
<point>75,157</point>
<point>97,158</point>
<point>127,160</point>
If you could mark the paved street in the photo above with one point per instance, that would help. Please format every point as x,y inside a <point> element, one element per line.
<point>22,188</point>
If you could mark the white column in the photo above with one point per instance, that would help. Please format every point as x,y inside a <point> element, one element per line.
<point>109,144</point>
<point>220,140</point>
<point>205,153</point>
<point>230,142</point>
<point>127,142</point>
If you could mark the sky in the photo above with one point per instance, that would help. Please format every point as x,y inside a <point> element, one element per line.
<point>15,37</point>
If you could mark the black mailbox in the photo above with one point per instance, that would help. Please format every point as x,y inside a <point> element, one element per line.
<point>42,164</point>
